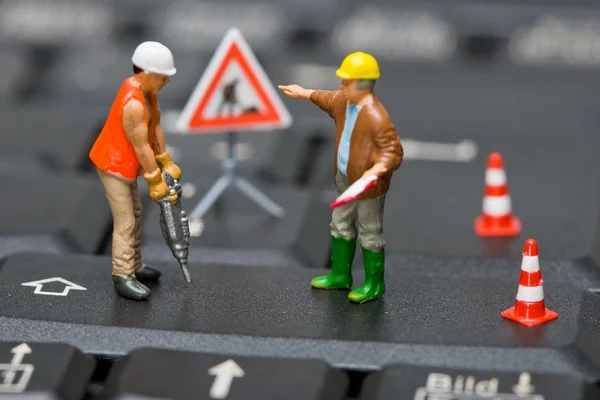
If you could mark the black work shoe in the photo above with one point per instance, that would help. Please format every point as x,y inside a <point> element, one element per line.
<point>147,273</point>
<point>130,288</point>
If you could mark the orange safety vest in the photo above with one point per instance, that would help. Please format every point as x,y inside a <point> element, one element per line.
<point>112,151</point>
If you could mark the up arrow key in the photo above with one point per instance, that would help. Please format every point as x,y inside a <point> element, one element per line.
<point>167,376</point>
<point>224,372</point>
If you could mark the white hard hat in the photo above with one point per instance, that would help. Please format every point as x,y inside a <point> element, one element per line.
<point>154,57</point>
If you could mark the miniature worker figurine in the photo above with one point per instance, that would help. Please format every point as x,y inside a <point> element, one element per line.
<point>366,144</point>
<point>132,143</point>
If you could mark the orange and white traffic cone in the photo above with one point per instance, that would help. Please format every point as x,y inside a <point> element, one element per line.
<point>530,309</point>
<point>497,218</point>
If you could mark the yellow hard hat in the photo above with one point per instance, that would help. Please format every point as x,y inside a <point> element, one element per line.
<point>358,65</point>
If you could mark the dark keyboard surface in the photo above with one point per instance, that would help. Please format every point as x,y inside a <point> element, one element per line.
<point>250,326</point>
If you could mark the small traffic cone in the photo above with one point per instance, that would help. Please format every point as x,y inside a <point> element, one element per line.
<point>530,309</point>
<point>497,218</point>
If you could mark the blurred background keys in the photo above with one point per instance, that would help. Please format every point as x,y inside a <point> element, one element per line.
<point>60,137</point>
<point>43,371</point>
<point>188,26</point>
<point>203,153</point>
<point>52,212</point>
<point>54,22</point>
<point>157,373</point>
<point>428,383</point>
<point>90,75</point>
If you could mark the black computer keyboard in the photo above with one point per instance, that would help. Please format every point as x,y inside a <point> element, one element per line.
<point>250,326</point>
<point>437,330</point>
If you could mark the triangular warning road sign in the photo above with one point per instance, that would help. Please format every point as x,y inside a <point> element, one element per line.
<point>234,94</point>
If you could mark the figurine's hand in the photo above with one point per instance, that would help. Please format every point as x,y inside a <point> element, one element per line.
<point>367,174</point>
<point>157,188</point>
<point>166,165</point>
<point>296,91</point>
<point>173,170</point>
<point>376,169</point>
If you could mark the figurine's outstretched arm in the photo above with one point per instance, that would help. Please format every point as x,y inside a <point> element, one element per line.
<point>325,100</point>
<point>322,98</point>
<point>296,91</point>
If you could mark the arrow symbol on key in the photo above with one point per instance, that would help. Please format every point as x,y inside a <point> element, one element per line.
<point>19,353</point>
<point>224,372</point>
<point>523,387</point>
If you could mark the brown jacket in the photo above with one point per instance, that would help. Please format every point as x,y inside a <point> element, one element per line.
<point>374,139</point>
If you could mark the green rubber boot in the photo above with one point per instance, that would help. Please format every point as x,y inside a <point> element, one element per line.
<point>342,254</point>
<point>374,285</point>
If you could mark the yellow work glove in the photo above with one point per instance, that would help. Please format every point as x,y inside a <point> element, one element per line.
<point>166,165</point>
<point>157,188</point>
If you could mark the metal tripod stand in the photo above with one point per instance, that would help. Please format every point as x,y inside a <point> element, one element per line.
<point>229,178</point>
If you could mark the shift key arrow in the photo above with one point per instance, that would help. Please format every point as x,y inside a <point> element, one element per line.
<point>224,372</point>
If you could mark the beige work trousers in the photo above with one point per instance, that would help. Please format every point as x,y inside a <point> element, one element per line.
<point>368,212</point>
<point>126,208</point>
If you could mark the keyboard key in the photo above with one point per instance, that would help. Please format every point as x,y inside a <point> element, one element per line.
<point>43,370</point>
<point>17,164</point>
<point>91,75</point>
<point>434,309</point>
<point>12,62</point>
<point>62,138</point>
<point>313,21</point>
<point>39,59</point>
<point>152,373</point>
<point>53,212</point>
<point>455,101</point>
<point>236,222</point>
<point>429,383</point>
<point>321,176</point>
<point>297,155</point>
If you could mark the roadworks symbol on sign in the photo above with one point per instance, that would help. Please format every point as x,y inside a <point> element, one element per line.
<point>233,94</point>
